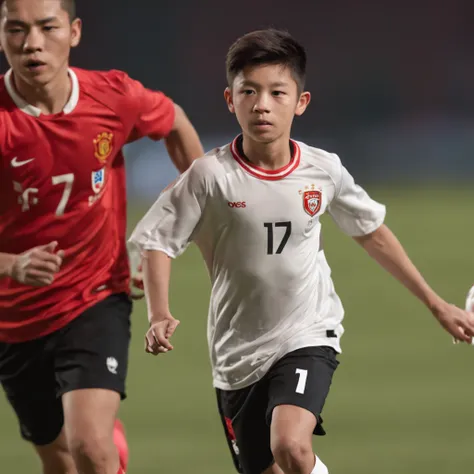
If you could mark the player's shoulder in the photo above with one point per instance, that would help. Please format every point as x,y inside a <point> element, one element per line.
<point>213,162</point>
<point>318,157</point>
<point>211,166</point>
<point>109,81</point>
<point>321,160</point>
<point>113,89</point>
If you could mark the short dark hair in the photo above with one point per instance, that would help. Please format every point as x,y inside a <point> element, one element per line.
<point>269,46</point>
<point>68,6</point>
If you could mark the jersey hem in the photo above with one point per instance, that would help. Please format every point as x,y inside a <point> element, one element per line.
<point>63,322</point>
<point>266,366</point>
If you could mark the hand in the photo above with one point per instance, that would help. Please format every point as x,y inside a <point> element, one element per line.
<point>157,337</point>
<point>469,306</point>
<point>459,323</point>
<point>37,266</point>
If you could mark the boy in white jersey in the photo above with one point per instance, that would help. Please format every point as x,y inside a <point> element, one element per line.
<point>253,209</point>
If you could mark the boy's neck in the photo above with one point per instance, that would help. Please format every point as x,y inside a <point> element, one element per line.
<point>270,156</point>
<point>50,98</point>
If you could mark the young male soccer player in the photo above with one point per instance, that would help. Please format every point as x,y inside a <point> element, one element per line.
<point>253,208</point>
<point>64,304</point>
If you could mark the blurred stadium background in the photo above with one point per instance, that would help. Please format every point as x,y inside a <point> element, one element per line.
<point>392,95</point>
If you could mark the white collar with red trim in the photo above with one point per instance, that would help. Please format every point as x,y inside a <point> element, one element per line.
<point>262,173</point>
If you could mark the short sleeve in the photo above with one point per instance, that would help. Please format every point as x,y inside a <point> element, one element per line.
<point>353,210</point>
<point>171,222</point>
<point>155,111</point>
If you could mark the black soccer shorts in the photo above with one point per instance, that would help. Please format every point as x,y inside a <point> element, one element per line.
<point>89,352</point>
<point>301,378</point>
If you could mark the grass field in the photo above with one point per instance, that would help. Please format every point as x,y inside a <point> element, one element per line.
<point>402,401</point>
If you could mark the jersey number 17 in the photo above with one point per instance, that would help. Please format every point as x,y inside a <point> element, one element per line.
<point>270,226</point>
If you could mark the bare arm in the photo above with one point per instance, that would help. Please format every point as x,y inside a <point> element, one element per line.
<point>157,272</point>
<point>384,247</point>
<point>183,143</point>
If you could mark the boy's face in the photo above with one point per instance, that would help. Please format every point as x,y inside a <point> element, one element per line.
<point>265,100</point>
<point>36,37</point>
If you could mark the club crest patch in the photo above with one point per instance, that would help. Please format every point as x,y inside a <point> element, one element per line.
<point>312,202</point>
<point>103,146</point>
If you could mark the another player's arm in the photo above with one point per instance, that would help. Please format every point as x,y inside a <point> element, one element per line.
<point>159,118</point>
<point>35,267</point>
<point>385,248</point>
<point>163,234</point>
<point>183,143</point>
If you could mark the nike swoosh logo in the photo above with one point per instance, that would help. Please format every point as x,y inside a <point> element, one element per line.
<point>15,163</point>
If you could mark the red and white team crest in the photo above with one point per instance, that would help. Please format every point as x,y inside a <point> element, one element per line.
<point>312,202</point>
<point>98,180</point>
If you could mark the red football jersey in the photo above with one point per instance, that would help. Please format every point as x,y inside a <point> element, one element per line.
<point>62,177</point>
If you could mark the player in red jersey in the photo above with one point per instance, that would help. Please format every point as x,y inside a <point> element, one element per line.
<point>64,292</point>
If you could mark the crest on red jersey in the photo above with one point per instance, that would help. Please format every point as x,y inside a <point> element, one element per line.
<point>312,202</point>
<point>103,146</point>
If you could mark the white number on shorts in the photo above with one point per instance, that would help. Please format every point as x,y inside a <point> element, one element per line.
<point>67,180</point>
<point>302,376</point>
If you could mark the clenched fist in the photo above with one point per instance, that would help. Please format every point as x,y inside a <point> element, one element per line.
<point>37,266</point>
<point>158,335</point>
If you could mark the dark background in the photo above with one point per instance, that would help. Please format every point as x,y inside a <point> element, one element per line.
<point>391,81</point>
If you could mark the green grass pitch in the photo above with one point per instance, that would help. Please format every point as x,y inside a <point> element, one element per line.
<point>402,398</point>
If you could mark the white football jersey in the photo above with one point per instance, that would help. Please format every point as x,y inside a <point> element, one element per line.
<point>259,234</point>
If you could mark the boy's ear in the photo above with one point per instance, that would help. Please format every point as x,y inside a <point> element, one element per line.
<point>229,100</point>
<point>303,102</point>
